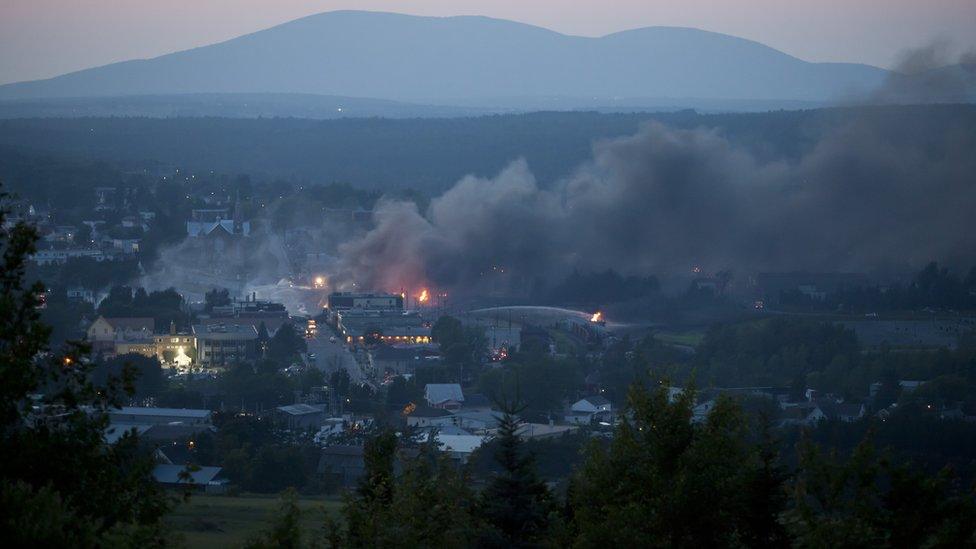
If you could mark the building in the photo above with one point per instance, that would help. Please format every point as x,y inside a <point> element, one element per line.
<point>204,478</point>
<point>133,415</point>
<point>385,326</point>
<point>590,409</point>
<point>444,395</point>
<point>425,416</point>
<point>400,360</point>
<point>60,257</point>
<point>105,332</point>
<point>205,222</point>
<point>301,416</point>
<point>177,349</point>
<point>79,293</point>
<point>224,344</point>
<point>343,301</point>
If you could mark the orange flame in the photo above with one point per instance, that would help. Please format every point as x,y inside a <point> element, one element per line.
<point>597,317</point>
<point>424,296</point>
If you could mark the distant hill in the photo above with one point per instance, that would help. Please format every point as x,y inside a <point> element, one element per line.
<point>431,154</point>
<point>470,62</point>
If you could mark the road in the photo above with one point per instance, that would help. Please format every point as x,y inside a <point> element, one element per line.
<point>330,356</point>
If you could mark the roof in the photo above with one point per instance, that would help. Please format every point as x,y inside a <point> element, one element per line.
<point>131,323</point>
<point>464,444</point>
<point>597,400</point>
<point>188,413</point>
<point>436,393</point>
<point>170,474</point>
<point>225,331</point>
<point>115,431</point>
<point>299,409</point>
<point>427,411</point>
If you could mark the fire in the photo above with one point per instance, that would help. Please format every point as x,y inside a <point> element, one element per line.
<point>424,296</point>
<point>597,317</point>
<point>319,282</point>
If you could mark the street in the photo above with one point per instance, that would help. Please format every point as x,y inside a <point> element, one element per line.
<point>329,356</point>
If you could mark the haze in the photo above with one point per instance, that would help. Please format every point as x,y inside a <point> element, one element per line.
<point>44,38</point>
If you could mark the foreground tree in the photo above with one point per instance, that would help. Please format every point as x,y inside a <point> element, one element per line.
<point>869,501</point>
<point>516,504</point>
<point>668,482</point>
<point>60,483</point>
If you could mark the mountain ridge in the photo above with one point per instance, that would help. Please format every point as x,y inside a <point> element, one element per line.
<point>465,58</point>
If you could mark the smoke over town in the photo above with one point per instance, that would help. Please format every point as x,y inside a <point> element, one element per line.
<point>665,199</point>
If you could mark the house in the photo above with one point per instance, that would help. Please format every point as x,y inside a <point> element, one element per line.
<point>425,416</point>
<point>591,405</point>
<point>301,416</point>
<point>802,414</point>
<point>78,293</point>
<point>459,447</point>
<point>105,331</point>
<point>444,395</point>
<point>590,409</point>
<point>846,411</point>
<point>126,245</point>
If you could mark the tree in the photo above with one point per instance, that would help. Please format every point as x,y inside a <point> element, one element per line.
<point>104,491</point>
<point>867,501</point>
<point>668,482</point>
<point>285,531</point>
<point>516,504</point>
<point>286,344</point>
<point>217,297</point>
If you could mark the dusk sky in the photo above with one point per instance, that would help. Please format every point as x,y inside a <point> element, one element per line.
<point>43,38</point>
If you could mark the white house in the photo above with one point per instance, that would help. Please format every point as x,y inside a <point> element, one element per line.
<point>444,395</point>
<point>591,405</point>
<point>586,410</point>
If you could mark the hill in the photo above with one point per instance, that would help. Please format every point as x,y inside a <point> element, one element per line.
<point>469,61</point>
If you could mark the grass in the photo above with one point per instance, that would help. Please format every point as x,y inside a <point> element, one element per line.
<point>229,521</point>
<point>691,339</point>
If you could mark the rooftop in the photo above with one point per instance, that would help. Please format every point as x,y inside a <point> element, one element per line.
<point>175,412</point>
<point>436,393</point>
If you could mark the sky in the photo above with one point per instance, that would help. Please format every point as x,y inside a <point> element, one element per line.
<point>44,38</point>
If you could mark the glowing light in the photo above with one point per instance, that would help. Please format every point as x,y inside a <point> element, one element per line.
<point>597,317</point>
<point>424,296</point>
<point>319,282</point>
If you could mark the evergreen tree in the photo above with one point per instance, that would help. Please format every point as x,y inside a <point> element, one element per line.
<point>59,480</point>
<point>668,482</point>
<point>516,504</point>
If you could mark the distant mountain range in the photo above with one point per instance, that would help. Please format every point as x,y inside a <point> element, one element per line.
<point>471,63</point>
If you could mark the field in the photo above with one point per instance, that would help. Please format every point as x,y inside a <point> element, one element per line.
<point>228,521</point>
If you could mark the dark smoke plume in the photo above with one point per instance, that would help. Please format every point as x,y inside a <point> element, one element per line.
<point>930,74</point>
<point>665,199</point>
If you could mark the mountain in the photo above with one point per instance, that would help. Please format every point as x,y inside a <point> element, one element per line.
<point>469,61</point>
